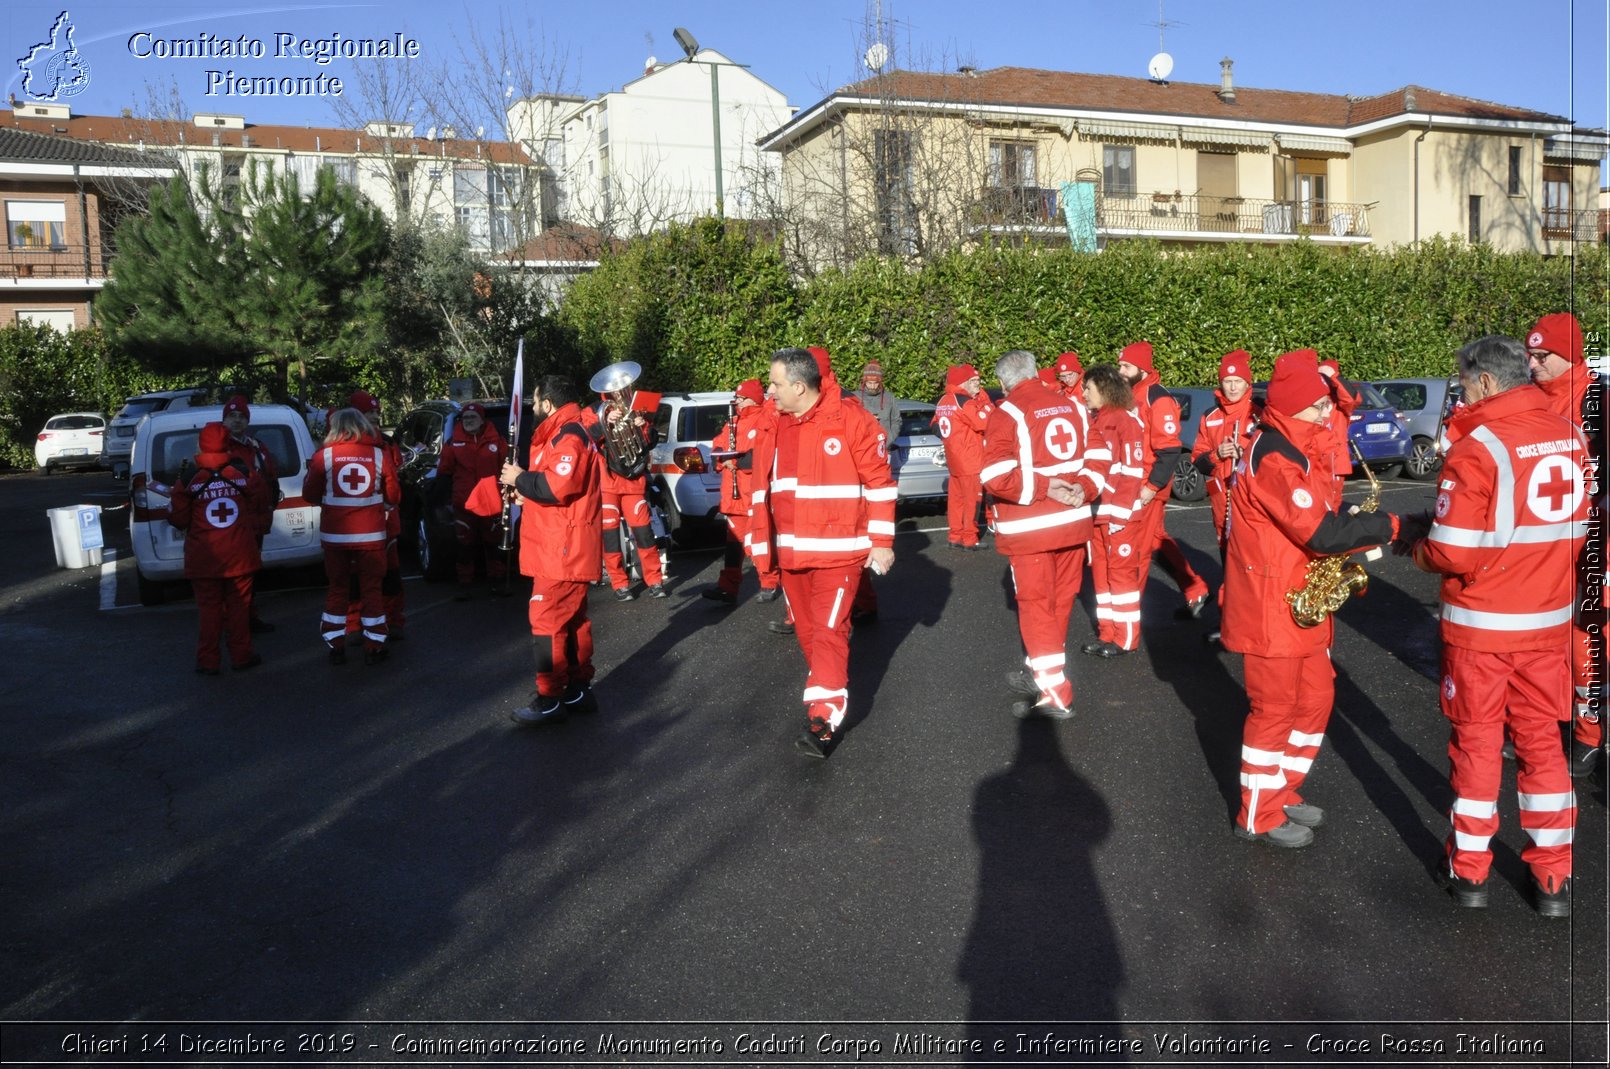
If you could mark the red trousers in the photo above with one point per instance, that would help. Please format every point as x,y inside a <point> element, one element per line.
<point>1482,694</point>
<point>477,537</point>
<point>561,634</point>
<point>1153,539</point>
<point>225,606</point>
<point>1291,700</point>
<point>733,561</point>
<point>963,493</point>
<point>1046,586</point>
<point>820,600</point>
<point>629,511</point>
<point>1587,677</point>
<point>340,566</point>
<point>1115,569</point>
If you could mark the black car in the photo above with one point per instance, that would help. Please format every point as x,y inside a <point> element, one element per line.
<point>427,512</point>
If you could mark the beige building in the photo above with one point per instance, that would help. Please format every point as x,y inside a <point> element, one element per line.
<point>912,163</point>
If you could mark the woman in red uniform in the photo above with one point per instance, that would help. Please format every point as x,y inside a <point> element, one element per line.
<point>1223,434</point>
<point>1114,556</point>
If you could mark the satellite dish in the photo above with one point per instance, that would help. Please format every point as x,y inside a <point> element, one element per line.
<point>480,131</point>
<point>430,135</point>
<point>650,63</point>
<point>1160,67</point>
<point>876,56</point>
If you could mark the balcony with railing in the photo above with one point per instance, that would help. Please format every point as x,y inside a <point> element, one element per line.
<point>1030,209</point>
<point>1562,224</point>
<point>47,262</point>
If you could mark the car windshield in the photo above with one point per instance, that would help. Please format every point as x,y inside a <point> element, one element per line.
<point>172,448</point>
<point>1409,396</point>
<point>1368,396</point>
<point>139,406</point>
<point>916,421</point>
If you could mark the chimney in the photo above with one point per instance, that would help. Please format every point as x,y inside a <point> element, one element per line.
<point>1409,102</point>
<point>1226,86</point>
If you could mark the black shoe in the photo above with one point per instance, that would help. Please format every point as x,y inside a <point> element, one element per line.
<point>1092,648</point>
<point>338,654</point>
<point>260,627</point>
<point>1288,836</point>
<point>954,545</point>
<point>540,711</point>
<point>624,594</point>
<point>376,656</point>
<point>769,595</point>
<point>1192,609</point>
<point>816,743</point>
<point>1467,894</point>
<point>976,547</point>
<point>658,591</point>
<point>578,698</point>
<point>1582,760</point>
<point>717,594</point>
<point>1042,708</point>
<point>251,662</point>
<point>200,671</point>
<point>1555,903</point>
<point>780,627</point>
<point>1110,650</point>
<point>1020,682</point>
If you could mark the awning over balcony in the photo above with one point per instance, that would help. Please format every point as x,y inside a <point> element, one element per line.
<point>1577,149</point>
<point>1336,146</point>
<point>1192,135</point>
<point>1095,130</point>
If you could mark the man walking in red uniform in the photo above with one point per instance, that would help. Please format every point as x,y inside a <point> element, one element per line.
<point>961,416</point>
<point>738,437</point>
<point>221,509</point>
<point>1161,415</point>
<point>1281,519</point>
<point>476,451</point>
<point>1042,491</point>
<point>1576,393</point>
<point>355,482</point>
<point>824,503</point>
<point>1511,516</point>
<point>560,549</point>
<point>253,456</point>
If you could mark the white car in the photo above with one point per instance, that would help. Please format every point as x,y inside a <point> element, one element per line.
<point>163,443</point>
<point>72,439</point>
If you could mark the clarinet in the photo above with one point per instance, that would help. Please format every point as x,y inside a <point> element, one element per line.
<point>506,518</point>
<point>732,440</point>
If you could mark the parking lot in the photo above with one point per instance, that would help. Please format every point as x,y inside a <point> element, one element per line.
<point>379,848</point>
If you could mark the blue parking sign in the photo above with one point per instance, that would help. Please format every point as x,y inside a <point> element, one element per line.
<point>89,527</point>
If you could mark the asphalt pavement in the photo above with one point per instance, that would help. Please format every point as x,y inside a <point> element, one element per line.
<point>198,860</point>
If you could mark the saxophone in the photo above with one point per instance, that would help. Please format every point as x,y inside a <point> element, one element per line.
<point>1332,580</point>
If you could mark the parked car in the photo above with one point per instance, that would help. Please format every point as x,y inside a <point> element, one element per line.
<point>682,481</point>
<point>119,437</point>
<point>427,516</point>
<point>72,439</point>
<point>1421,403</point>
<point>918,455</point>
<point>165,442</point>
<point>1189,483</point>
<point>1376,430</point>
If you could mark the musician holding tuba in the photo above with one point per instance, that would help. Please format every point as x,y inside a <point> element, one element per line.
<point>626,436</point>
<point>1282,520</point>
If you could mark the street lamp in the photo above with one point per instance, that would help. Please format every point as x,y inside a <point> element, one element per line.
<point>690,46</point>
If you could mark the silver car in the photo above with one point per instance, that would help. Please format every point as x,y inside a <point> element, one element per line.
<point>1422,403</point>
<point>918,455</point>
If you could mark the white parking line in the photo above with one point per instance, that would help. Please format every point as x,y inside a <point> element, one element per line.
<point>108,579</point>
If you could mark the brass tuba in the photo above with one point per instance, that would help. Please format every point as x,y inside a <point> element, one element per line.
<point>623,445</point>
<point>1332,580</point>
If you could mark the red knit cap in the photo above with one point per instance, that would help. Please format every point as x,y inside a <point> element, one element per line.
<point>1138,353</point>
<point>1237,364</point>
<point>873,369</point>
<point>824,363</point>
<point>214,439</point>
<point>1558,333</point>
<point>1330,364</point>
<point>958,374</point>
<point>1296,383</point>
<point>238,403</point>
<point>1069,361</point>
<point>363,401</point>
<point>1048,375</point>
<point>474,406</point>
<point>751,389</point>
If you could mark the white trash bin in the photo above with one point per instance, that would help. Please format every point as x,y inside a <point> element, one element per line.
<point>76,532</point>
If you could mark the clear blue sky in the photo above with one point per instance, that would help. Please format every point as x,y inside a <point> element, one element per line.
<point>1544,54</point>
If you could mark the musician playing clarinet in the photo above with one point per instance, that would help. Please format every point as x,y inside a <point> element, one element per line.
<point>735,444</point>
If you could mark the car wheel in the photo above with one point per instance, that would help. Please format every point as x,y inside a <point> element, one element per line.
<point>152,591</point>
<point>1423,462</point>
<point>1189,483</point>
<point>1387,471</point>
<point>435,555</point>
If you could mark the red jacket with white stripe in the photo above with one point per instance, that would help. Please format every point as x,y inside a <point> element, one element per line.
<point>1281,517</point>
<point>1511,517</point>
<point>743,441</point>
<point>1224,422</point>
<point>354,482</point>
<point>221,511</point>
<point>839,495</point>
<point>961,421</point>
<point>561,518</point>
<point>1161,415</point>
<point>1120,433</point>
<point>1034,435</point>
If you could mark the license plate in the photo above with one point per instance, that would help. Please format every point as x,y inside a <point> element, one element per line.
<point>1378,428</point>
<point>74,452</point>
<point>934,454</point>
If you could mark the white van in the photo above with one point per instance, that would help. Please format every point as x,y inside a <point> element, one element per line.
<point>165,440</point>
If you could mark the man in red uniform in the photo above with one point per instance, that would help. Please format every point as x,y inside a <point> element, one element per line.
<point>253,456</point>
<point>1042,494</point>
<point>1281,520</point>
<point>476,451</point>
<point>391,586</point>
<point>1341,418</point>
<point>1161,414</point>
<point>961,416</point>
<point>737,490</point>
<point>824,503</point>
<point>355,482</point>
<point>625,504</point>
<point>221,509</point>
<point>1511,517</point>
<point>1223,433</point>
<point>1575,392</point>
<point>561,547</point>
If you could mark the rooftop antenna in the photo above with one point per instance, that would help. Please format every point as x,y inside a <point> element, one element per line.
<point>1161,65</point>
<point>878,53</point>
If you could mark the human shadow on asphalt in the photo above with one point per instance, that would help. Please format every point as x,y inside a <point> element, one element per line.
<point>913,594</point>
<point>1205,686</point>
<point>1399,623</point>
<point>1041,945</point>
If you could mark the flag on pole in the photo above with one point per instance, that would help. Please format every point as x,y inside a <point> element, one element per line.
<point>515,404</point>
